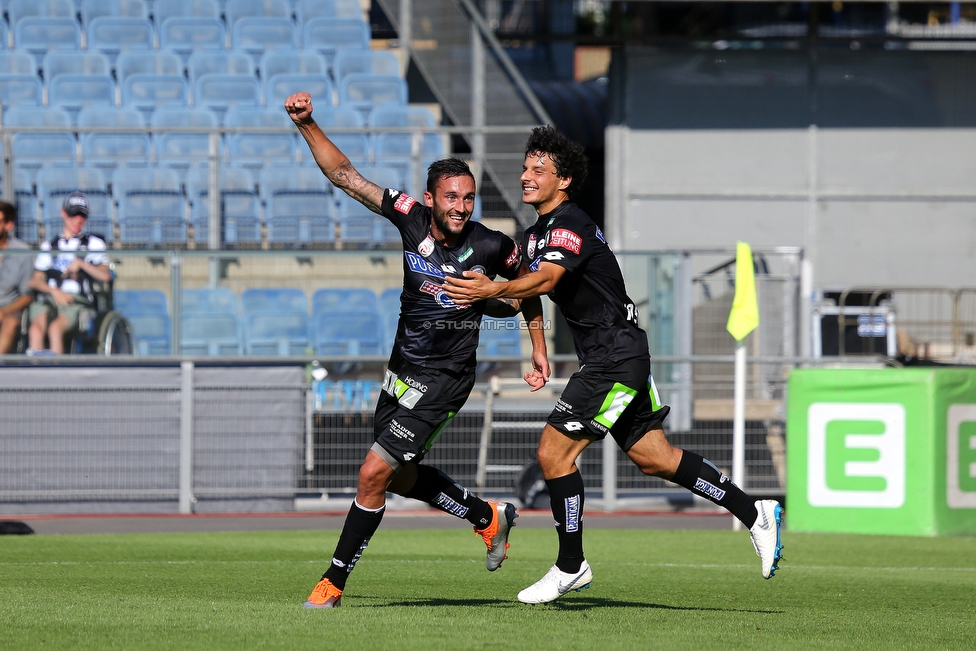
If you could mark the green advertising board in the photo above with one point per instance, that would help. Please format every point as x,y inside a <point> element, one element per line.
<point>882,451</point>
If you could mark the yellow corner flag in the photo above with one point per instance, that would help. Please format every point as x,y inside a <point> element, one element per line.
<point>744,316</point>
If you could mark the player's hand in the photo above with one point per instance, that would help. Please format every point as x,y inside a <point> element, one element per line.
<point>62,298</point>
<point>539,375</point>
<point>299,107</point>
<point>472,288</point>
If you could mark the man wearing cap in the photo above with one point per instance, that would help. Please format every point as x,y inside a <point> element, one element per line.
<point>15,275</point>
<point>63,282</point>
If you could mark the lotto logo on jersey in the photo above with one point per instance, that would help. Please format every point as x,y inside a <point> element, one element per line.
<point>566,239</point>
<point>418,265</point>
<point>513,258</point>
<point>404,203</point>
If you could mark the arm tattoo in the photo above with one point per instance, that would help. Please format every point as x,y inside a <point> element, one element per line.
<point>348,179</point>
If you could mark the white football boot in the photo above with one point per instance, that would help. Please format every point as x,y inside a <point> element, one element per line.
<point>765,536</point>
<point>555,584</point>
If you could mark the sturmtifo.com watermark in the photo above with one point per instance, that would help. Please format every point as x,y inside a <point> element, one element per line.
<point>487,324</point>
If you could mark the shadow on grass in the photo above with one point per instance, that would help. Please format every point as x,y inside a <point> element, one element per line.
<point>581,603</point>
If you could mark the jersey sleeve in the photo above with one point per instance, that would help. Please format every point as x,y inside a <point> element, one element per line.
<point>568,243</point>
<point>96,248</point>
<point>509,257</point>
<point>43,261</point>
<point>400,208</point>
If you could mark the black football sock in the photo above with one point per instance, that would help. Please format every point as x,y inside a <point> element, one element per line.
<point>361,524</point>
<point>701,477</point>
<point>566,500</point>
<point>442,492</point>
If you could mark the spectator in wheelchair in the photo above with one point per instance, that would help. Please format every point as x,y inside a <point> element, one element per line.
<point>15,276</point>
<point>63,275</point>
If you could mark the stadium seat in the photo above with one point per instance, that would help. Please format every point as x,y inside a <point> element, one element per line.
<point>300,208</point>
<point>137,302</point>
<point>92,9</point>
<point>295,62</point>
<point>75,92</point>
<point>219,92</point>
<point>32,149</point>
<point>152,332</point>
<point>41,35</point>
<point>209,62</point>
<point>306,10</point>
<point>357,223</point>
<point>147,92</point>
<point>185,35</point>
<point>107,149</point>
<point>259,35</point>
<point>59,62</point>
<point>18,9</point>
<point>354,145</point>
<point>164,9</point>
<point>20,89</point>
<point>329,35</point>
<point>210,334</point>
<point>500,336</point>
<point>346,333</point>
<point>397,148</point>
<point>240,218</point>
<point>356,61</point>
<point>279,87</point>
<point>17,63</point>
<point>257,149</point>
<point>151,206</point>
<point>218,301</point>
<point>364,92</point>
<point>113,34</point>
<point>26,202</point>
<point>390,315</point>
<point>4,34</point>
<point>232,179</point>
<point>274,299</point>
<point>182,149</point>
<point>151,62</point>
<point>334,299</point>
<point>385,176</point>
<point>276,333</point>
<point>235,10</point>
<point>55,182</point>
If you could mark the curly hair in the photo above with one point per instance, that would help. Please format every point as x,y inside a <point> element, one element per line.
<point>446,168</point>
<point>566,155</point>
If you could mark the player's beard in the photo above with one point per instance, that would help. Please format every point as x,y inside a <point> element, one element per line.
<point>446,226</point>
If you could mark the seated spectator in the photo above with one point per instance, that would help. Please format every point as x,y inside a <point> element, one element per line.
<point>63,282</point>
<point>15,275</point>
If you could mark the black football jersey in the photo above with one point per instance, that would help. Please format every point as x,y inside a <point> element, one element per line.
<point>591,294</point>
<point>433,330</point>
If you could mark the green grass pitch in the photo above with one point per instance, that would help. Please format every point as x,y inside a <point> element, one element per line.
<point>429,590</point>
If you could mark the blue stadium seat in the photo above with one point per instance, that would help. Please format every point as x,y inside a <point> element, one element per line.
<point>220,92</point>
<point>240,218</point>
<point>354,145</point>
<point>59,62</point>
<point>346,333</point>
<point>152,332</point>
<point>107,149</point>
<point>3,34</point>
<point>138,302</point>
<point>210,334</point>
<point>148,92</point>
<point>500,336</point>
<point>385,176</point>
<point>274,299</point>
<point>163,9</point>
<point>55,182</point>
<point>41,35</point>
<point>357,223</point>
<point>20,89</point>
<point>113,34</point>
<point>182,149</point>
<point>329,35</point>
<point>257,149</point>
<point>276,333</point>
<point>32,149</point>
<point>147,62</point>
<point>18,63</point>
<point>26,202</point>
<point>295,62</point>
<point>75,92</point>
<point>258,35</point>
<point>232,179</point>
<point>18,9</point>
<point>151,206</point>
<point>92,9</point>
<point>355,61</point>
<point>218,301</point>
<point>235,10</point>
<point>185,35</point>
<point>279,87</point>
<point>306,10</point>
<point>209,62</point>
<point>364,92</point>
<point>334,299</point>
<point>292,178</point>
<point>300,217</point>
<point>390,315</point>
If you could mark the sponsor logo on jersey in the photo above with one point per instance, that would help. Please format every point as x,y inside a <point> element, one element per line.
<point>479,269</point>
<point>535,264</point>
<point>530,247</point>
<point>603,428</point>
<point>566,239</point>
<point>513,258</point>
<point>399,431</point>
<point>442,299</point>
<point>448,269</point>
<point>450,506</point>
<point>709,490</point>
<point>393,193</point>
<point>572,513</point>
<point>428,287</point>
<point>553,255</point>
<point>573,426</point>
<point>404,203</point>
<point>600,236</point>
<point>418,265</point>
<point>426,247</point>
<point>467,254</point>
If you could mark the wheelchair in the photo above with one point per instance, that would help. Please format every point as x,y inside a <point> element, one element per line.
<point>101,330</point>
